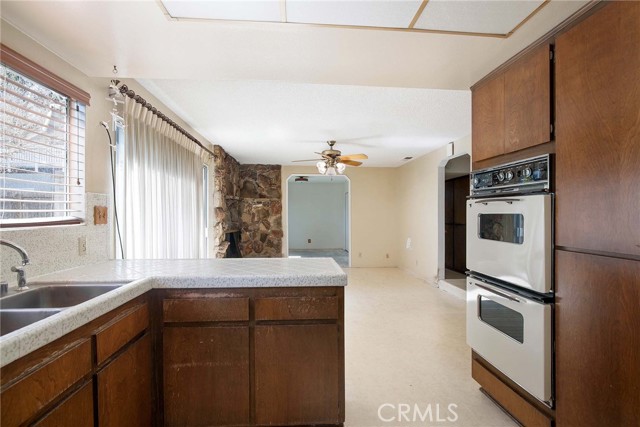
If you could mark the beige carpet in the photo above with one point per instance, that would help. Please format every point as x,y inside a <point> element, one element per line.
<point>405,345</point>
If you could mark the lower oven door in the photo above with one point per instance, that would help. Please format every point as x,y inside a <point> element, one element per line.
<point>510,238</point>
<point>512,333</point>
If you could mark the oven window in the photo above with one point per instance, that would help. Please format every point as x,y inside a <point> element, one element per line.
<point>501,227</point>
<point>504,319</point>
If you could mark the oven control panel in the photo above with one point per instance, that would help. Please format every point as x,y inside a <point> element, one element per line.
<point>524,176</point>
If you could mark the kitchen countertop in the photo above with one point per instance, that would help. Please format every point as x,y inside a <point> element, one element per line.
<point>144,275</point>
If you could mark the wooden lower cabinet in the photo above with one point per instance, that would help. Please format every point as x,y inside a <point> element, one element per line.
<point>75,411</point>
<point>56,385</point>
<point>597,340</point>
<point>206,376</point>
<point>297,374</point>
<point>270,357</point>
<point>125,387</point>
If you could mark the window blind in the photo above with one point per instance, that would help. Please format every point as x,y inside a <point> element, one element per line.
<point>42,153</point>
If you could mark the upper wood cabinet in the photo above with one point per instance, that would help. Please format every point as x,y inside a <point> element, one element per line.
<point>527,101</point>
<point>512,111</point>
<point>598,132</point>
<point>487,114</point>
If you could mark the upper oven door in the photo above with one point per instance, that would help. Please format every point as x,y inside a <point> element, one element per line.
<point>510,238</point>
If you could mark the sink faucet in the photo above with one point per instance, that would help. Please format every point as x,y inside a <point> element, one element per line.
<point>22,279</point>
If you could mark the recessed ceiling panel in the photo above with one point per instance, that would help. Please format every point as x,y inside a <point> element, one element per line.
<point>380,13</point>
<point>261,10</point>
<point>477,16</point>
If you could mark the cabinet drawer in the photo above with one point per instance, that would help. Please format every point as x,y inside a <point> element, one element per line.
<point>296,308</point>
<point>205,310</point>
<point>76,411</point>
<point>515,404</point>
<point>113,336</point>
<point>28,396</point>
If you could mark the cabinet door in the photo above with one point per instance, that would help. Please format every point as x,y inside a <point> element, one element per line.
<point>125,387</point>
<point>297,374</point>
<point>598,132</point>
<point>487,115</point>
<point>76,411</point>
<point>527,101</point>
<point>206,376</point>
<point>597,340</point>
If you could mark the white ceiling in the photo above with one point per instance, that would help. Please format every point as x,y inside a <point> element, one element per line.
<point>262,89</point>
<point>277,122</point>
<point>487,17</point>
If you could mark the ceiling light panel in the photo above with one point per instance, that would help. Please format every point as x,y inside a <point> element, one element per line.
<point>369,13</point>
<point>260,10</point>
<point>477,16</point>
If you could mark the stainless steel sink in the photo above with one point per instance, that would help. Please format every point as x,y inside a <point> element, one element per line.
<point>23,308</point>
<point>11,320</point>
<point>55,296</point>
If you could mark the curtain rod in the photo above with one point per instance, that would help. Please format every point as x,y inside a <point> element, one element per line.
<point>140,100</point>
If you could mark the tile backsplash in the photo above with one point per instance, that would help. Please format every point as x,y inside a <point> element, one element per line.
<point>57,248</point>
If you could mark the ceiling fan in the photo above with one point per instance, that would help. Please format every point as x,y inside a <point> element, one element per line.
<point>333,162</point>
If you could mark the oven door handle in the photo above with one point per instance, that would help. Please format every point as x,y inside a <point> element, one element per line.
<point>497,292</point>
<point>502,199</point>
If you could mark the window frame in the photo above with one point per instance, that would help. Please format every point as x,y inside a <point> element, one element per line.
<point>35,72</point>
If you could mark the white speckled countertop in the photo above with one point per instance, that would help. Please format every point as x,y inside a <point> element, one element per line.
<point>144,275</point>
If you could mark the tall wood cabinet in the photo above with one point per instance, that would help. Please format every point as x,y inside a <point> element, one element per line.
<point>598,219</point>
<point>598,135</point>
<point>597,334</point>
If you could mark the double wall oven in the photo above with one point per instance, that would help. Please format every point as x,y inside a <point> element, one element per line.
<point>510,277</point>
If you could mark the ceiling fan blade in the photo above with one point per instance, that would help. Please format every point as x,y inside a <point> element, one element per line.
<point>350,162</point>
<point>308,160</point>
<point>354,157</point>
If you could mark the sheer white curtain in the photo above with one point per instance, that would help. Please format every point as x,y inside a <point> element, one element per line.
<point>162,214</point>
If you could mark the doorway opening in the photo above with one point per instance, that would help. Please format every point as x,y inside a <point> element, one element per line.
<point>318,217</point>
<point>452,215</point>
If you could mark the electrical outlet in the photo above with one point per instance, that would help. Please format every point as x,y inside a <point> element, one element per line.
<point>308,240</point>
<point>82,245</point>
<point>408,242</point>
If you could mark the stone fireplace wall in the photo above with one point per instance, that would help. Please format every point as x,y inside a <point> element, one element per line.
<point>226,198</point>
<point>248,199</point>
<point>261,211</point>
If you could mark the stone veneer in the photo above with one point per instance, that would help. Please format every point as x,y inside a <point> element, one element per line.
<point>226,200</point>
<point>247,198</point>
<point>261,211</point>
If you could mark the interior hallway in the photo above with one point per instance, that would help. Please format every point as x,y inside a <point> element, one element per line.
<point>405,344</point>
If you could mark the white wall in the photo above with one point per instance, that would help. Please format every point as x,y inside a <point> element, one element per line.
<point>418,220</point>
<point>374,214</point>
<point>317,212</point>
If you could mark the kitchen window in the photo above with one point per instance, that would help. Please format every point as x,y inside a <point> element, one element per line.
<point>42,162</point>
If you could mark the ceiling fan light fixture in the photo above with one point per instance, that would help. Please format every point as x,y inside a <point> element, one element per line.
<point>340,167</point>
<point>322,167</point>
<point>331,171</point>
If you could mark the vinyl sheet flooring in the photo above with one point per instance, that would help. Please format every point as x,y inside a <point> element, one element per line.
<point>405,345</point>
